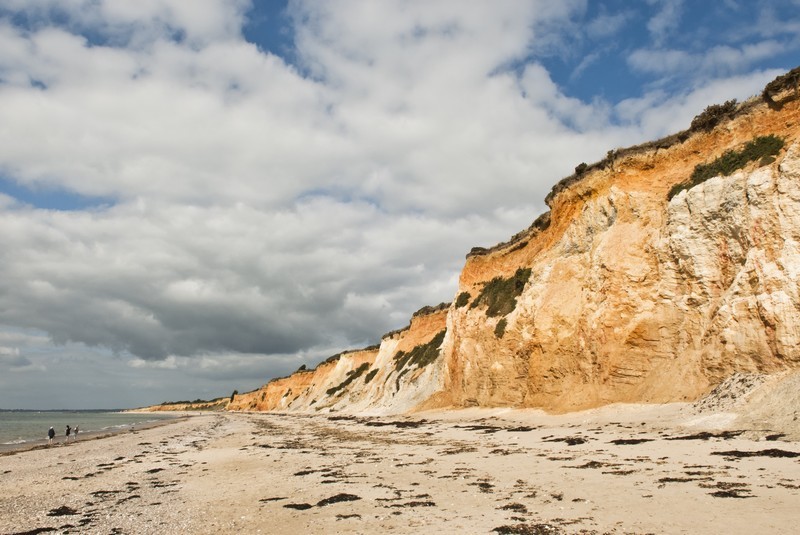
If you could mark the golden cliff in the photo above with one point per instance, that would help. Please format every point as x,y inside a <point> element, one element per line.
<point>637,286</point>
<point>400,374</point>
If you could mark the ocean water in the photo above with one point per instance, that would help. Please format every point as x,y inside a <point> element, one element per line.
<point>19,427</point>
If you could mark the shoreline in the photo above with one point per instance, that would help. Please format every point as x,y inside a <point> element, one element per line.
<point>60,440</point>
<point>618,469</point>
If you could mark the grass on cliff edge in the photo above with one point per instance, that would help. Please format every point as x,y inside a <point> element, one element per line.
<point>500,295</point>
<point>763,148</point>
<point>421,355</point>
<point>352,376</point>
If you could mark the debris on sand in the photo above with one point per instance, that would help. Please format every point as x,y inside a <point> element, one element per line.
<point>62,511</point>
<point>298,506</point>
<point>528,529</point>
<point>772,452</point>
<point>343,497</point>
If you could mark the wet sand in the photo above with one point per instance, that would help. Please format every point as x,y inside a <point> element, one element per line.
<point>620,469</point>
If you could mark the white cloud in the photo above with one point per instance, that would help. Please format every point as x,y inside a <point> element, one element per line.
<point>11,359</point>
<point>666,20</point>
<point>139,23</point>
<point>659,114</point>
<point>606,24</point>
<point>179,280</point>
<point>717,61</point>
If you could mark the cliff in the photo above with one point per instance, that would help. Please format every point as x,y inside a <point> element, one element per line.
<point>657,273</point>
<point>401,373</point>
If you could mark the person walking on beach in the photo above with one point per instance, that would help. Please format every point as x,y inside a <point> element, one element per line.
<point>69,430</point>
<point>51,434</point>
<point>75,433</point>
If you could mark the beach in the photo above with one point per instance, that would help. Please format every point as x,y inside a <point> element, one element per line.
<point>618,469</point>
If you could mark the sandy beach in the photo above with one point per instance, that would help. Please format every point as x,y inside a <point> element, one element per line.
<point>620,469</point>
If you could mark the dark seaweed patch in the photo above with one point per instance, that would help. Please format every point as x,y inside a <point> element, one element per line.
<point>731,493</point>
<point>485,428</point>
<point>484,486</point>
<point>298,506</point>
<point>427,503</point>
<point>570,441</point>
<point>104,493</point>
<point>591,464</point>
<point>630,441</point>
<point>705,435</point>
<point>516,507</point>
<point>772,452</point>
<point>64,510</point>
<point>400,424</point>
<point>461,449</point>
<point>528,529</point>
<point>342,497</point>
<point>306,472</point>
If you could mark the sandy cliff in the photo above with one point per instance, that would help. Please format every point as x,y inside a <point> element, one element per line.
<point>626,291</point>
<point>397,376</point>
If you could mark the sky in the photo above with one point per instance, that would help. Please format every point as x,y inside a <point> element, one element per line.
<point>196,197</point>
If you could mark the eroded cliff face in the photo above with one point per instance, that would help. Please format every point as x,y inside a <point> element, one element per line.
<point>624,292</point>
<point>371,381</point>
<point>634,298</point>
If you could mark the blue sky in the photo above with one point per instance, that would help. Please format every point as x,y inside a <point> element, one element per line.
<point>196,197</point>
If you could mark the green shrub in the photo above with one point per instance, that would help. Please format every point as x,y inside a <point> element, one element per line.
<point>713,115</point>
<point>462,300</point>
<point>500,295</point>
<point>371,375</point>
<point>352,376</point>
<point>422,355</point>
<point>500,328</point>
<point>763,148</point>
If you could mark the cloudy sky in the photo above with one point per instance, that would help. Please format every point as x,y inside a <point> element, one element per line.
<point>198,196</point>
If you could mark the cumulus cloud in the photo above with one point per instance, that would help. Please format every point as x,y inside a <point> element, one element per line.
<point>180,280</point>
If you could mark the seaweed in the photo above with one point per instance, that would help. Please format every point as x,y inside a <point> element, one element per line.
<point>342,497</point>
<point>771,452</point>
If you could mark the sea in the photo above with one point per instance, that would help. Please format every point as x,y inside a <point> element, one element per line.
<point>19,426</point>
